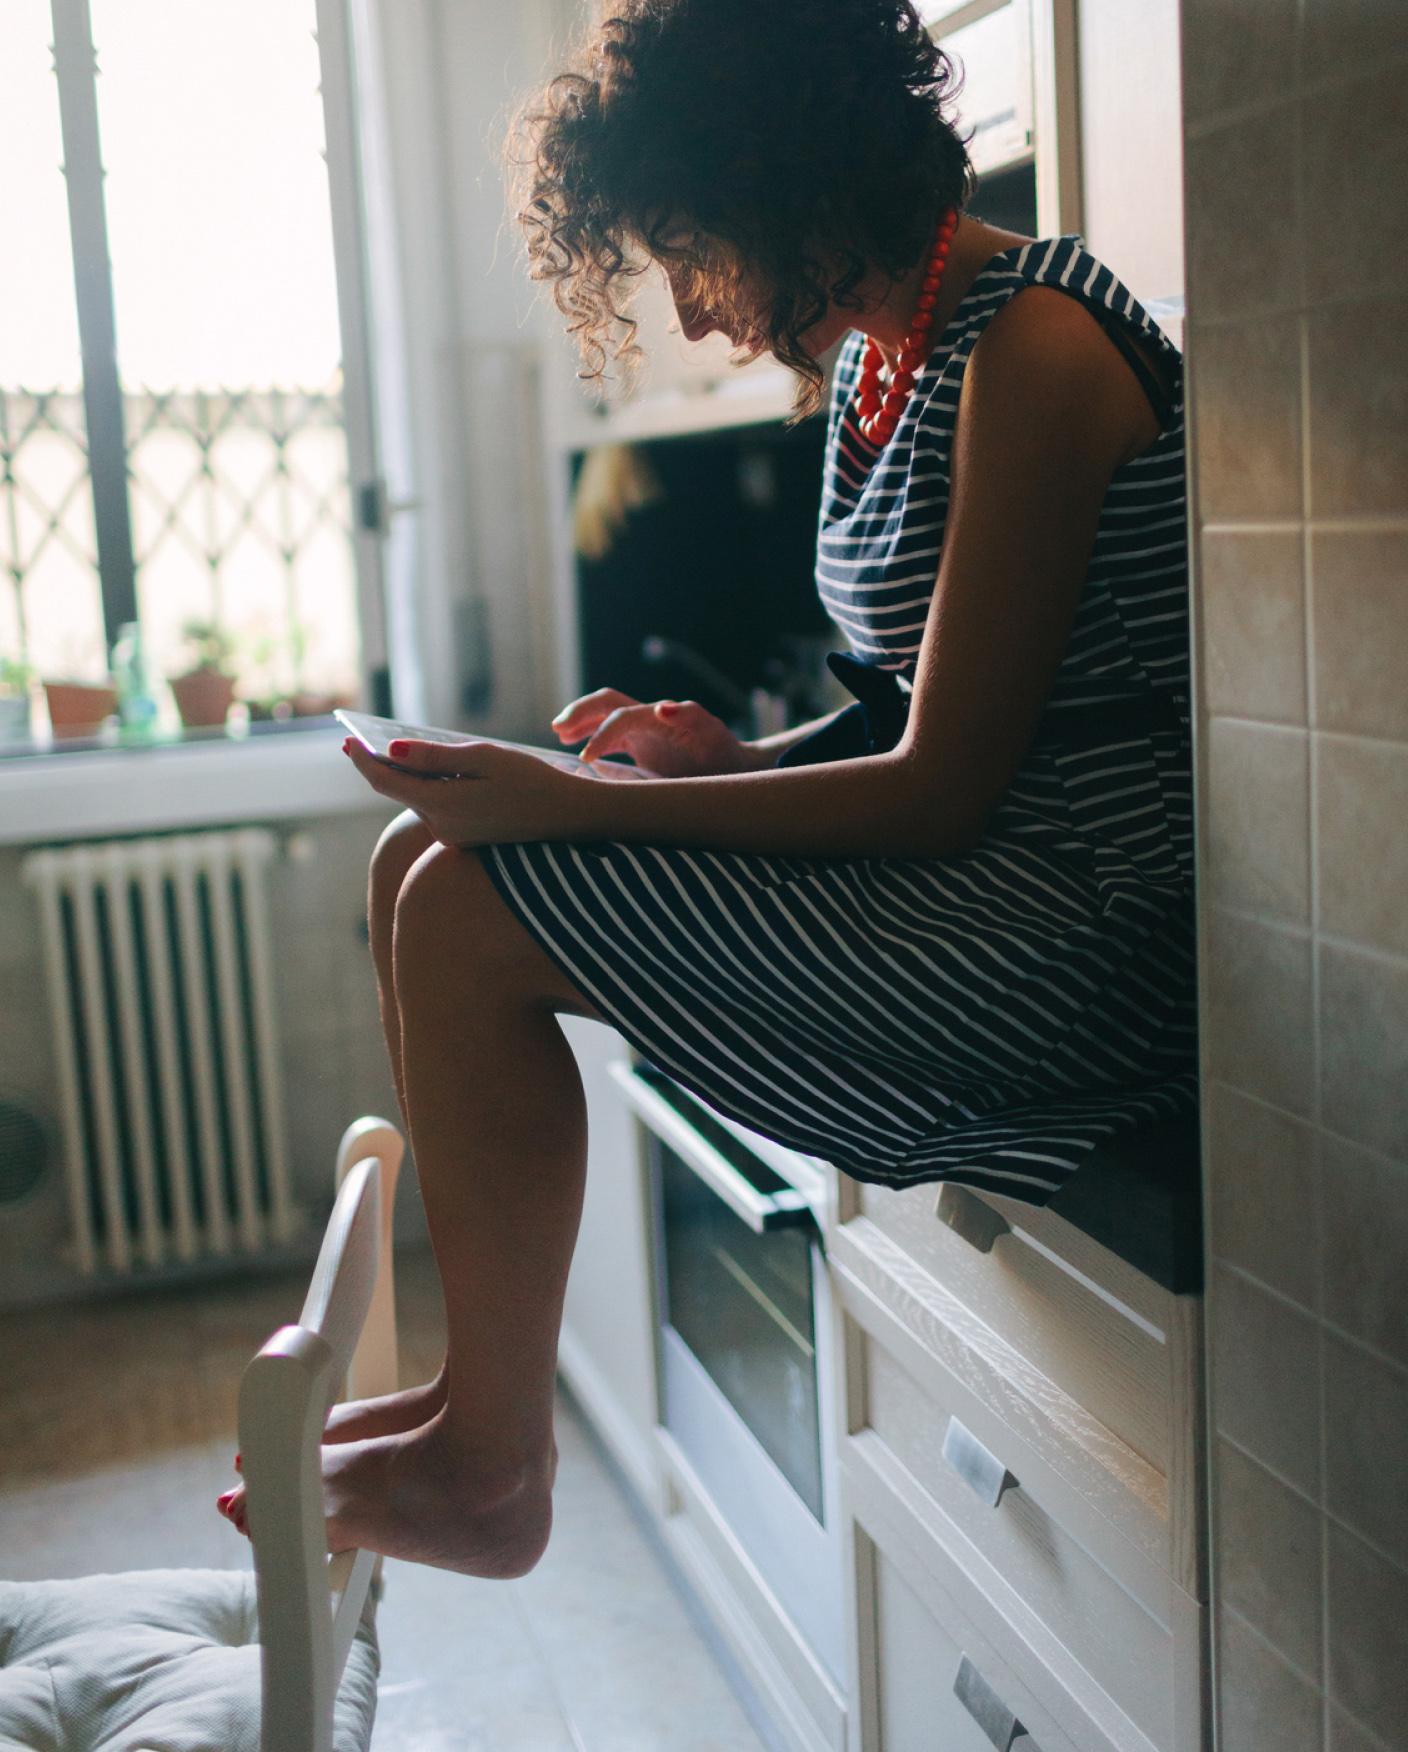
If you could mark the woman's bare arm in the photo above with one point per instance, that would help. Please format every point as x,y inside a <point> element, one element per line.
<point>1047,412</point>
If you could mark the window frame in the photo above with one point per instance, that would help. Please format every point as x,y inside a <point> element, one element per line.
<point>76,72</point>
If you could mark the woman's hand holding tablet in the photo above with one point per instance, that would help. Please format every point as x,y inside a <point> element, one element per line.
<point>376,735</point>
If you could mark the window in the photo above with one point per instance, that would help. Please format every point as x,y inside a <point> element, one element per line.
<point>188,461</point>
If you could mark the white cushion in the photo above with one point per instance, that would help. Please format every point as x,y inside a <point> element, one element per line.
<point>150,1661</point>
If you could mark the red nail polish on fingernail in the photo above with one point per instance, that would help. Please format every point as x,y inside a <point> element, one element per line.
<point>224,1498</point>
<point>399,748</point>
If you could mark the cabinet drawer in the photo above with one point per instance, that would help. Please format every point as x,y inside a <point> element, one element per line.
<point>1123,1645</point>
<point>931,1694</point>
<point>1078,1314</point>
<point>1129,1518</point>
<point>954,1604</point>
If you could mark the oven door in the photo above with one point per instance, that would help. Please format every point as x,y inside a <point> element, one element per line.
<point>743,1354</point>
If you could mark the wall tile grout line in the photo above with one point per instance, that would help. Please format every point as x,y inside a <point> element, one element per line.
<point>1384,1358</point>
<point>1328,1519</point>
<point>1366,523</point>
<point>1313,804</point>
<point>1272,1648</point>
<point>1298,89</point>
<point>1390,958</point>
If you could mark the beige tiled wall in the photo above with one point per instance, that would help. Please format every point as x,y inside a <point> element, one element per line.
<point>1296,201</point>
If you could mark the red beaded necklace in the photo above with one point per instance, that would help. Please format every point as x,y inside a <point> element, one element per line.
<point>880,414</point>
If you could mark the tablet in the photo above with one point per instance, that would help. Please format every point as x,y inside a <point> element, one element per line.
<point>377,734</point>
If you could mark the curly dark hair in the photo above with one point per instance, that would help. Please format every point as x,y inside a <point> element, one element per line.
<point>777,151</point>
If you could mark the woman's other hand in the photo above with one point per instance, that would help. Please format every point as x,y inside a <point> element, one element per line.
<point>676,739</point>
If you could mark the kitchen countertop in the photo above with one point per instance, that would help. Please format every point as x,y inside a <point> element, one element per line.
<point>1142,1199</point>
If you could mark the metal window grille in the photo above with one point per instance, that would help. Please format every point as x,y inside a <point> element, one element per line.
<point>290,489</point>
<point>108,486</point>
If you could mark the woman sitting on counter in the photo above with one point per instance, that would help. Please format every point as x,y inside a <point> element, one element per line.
<point>945,933</point>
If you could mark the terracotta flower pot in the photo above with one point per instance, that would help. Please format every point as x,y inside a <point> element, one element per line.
<point>203,697</point>
<point>78,708</point>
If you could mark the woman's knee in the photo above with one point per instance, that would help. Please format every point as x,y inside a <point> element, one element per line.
<point>448,909</point>
<point>451,920</point>
<point>402,842</point>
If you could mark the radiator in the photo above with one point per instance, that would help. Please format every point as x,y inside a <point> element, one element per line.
<point>159,972</point>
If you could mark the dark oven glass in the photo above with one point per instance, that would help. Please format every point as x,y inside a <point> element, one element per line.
<point>743,1304</point>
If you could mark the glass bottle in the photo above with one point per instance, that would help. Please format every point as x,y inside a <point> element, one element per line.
<point>136,707</point>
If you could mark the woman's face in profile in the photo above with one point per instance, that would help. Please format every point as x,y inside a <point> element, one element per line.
<point>696,320</point>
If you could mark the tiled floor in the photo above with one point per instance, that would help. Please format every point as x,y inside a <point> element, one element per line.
<point>117,1434</point>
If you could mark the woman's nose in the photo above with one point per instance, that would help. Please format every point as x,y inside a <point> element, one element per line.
<point>694,328</point>
<point>694,323</point>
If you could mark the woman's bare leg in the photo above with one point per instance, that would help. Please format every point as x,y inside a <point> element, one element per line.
<point>401,843</point>
<point>498,1127</point>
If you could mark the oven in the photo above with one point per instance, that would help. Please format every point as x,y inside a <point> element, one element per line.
<point>744,1335</point>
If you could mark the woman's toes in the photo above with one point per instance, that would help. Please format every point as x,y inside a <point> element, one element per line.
<point>233,1506</point>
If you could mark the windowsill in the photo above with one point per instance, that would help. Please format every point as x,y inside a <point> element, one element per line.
<point>95,789</point>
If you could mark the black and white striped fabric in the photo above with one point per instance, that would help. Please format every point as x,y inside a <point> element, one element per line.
<point>987,1018</point>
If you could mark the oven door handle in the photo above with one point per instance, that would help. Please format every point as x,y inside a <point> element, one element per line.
<point>786,1209</point>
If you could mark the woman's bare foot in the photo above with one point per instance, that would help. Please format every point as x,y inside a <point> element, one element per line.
<point>356,1420</point>
<point>421,1496</point>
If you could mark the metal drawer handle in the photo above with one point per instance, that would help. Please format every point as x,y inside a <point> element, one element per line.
<point>985,1706</point>
<point>976,1465</point>
<point>970,1216</point>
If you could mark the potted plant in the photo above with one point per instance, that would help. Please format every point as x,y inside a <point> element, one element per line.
<point>79,708</point>
<point>260,692</point>
<point>15,679</point>
<point>205,691</point>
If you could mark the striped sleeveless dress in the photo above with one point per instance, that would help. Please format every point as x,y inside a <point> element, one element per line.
<point>989,1017</point>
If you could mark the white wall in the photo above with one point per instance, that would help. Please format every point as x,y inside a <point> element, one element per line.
<point>448,72</point>
<point>1132,142</point>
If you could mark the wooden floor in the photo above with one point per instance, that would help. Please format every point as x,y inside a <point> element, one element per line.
<point>116,1434</point>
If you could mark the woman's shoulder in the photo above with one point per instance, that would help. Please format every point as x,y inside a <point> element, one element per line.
<point>1066,263</point>
<point>1072,274</point>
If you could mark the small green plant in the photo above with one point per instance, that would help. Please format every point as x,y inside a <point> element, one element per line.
<point>209,646</point>
<point>15,676</point>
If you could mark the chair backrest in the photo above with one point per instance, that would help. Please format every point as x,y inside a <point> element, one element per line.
<point>309,1603</point>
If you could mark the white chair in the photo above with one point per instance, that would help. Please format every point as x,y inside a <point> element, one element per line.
<point>284,1660</point>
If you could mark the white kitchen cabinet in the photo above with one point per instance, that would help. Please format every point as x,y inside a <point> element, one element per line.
<point>1019,99</point>
<point>1024,1441</point>
<point>931,1691</point>
<point>606,1348</point>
